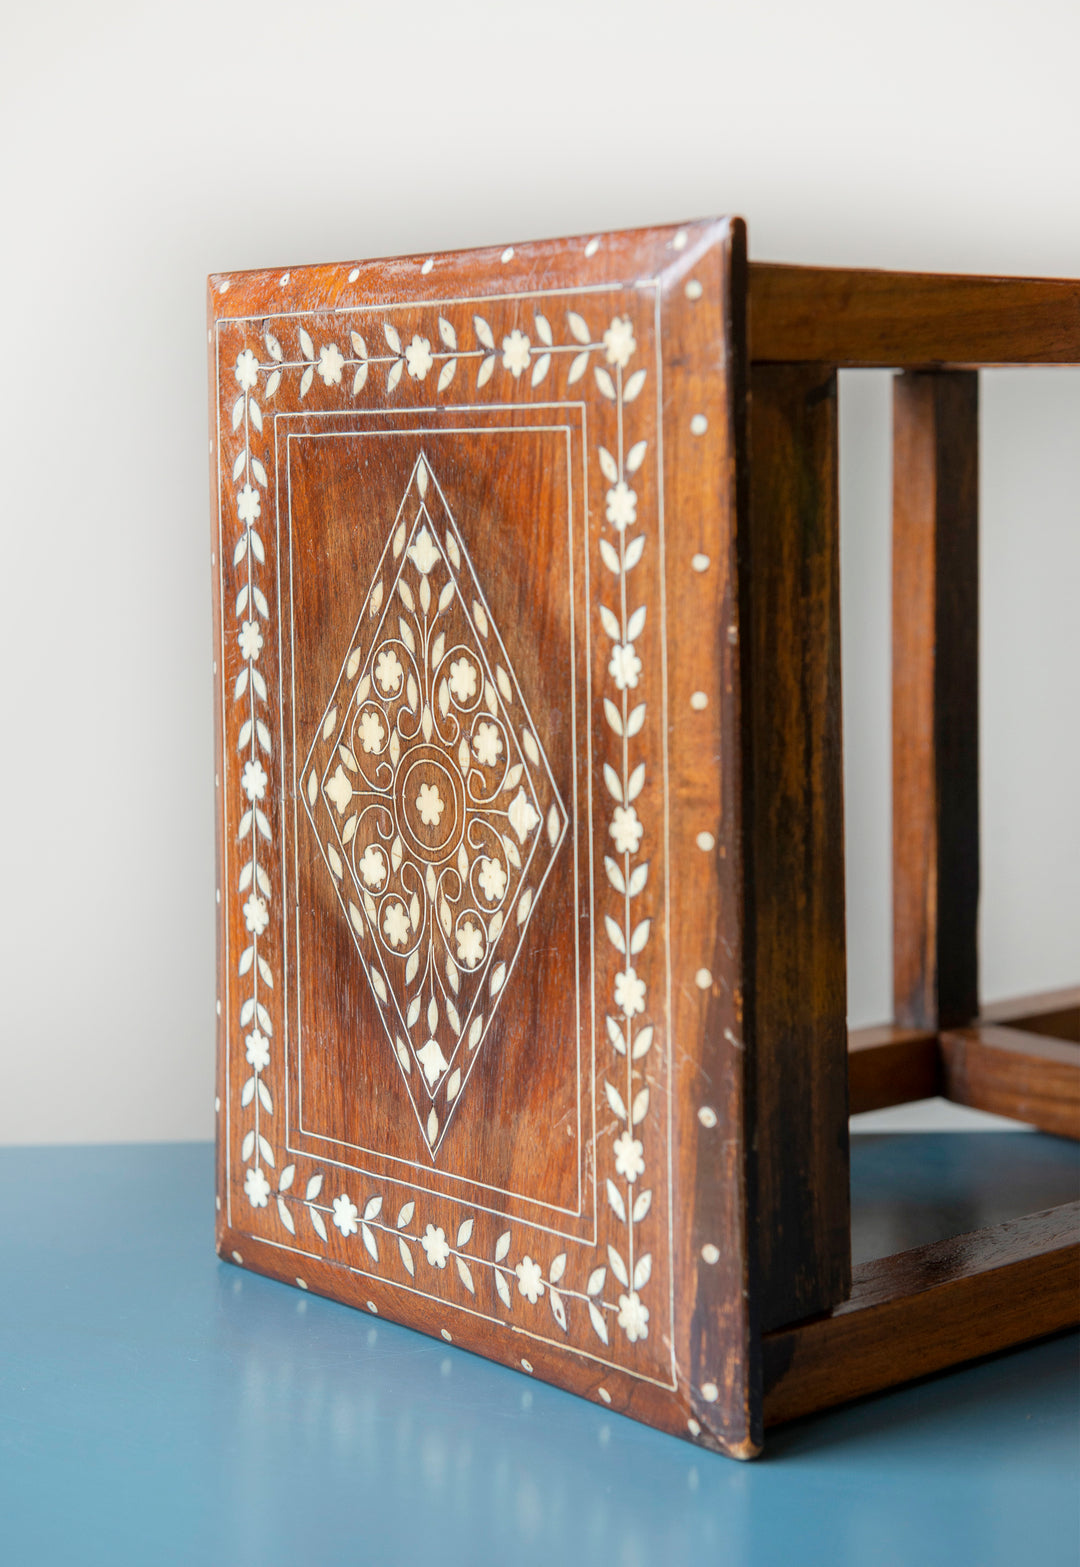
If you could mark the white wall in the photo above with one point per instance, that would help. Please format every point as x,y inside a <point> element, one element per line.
<point>1030,671</point>
<point>145,145</point>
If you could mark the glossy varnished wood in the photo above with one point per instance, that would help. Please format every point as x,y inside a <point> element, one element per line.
<point>890,1065</point>
<point>540,447</point>
<point>935,706</point>
<point>793,805</point>
<point>935,1306</point>
<point>1007,1071</point>
<point>630,500</point>
<point>898,320</point>
<point>1031,1074</point>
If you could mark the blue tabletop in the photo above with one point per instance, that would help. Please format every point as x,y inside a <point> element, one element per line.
<point>158,1406</point>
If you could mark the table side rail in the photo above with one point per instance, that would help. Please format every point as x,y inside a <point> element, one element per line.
<point>923,1310</point>
<point>866,319</point>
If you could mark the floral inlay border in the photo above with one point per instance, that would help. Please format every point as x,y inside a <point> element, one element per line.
<point>627,926</point>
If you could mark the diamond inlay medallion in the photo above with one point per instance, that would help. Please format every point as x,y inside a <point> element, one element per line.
<point>436,811</point>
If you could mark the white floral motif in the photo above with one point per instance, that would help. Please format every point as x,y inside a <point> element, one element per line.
<point>331,364</point>
<point>633,1316</point>
<point>247,370</point>
<point>628,933</point>
<point>372,733</point>
<point>253,780</point>
<point>258,1051</point>
<point>248,505</point>
<point>340,790</point>
<point>255,827</point>
<point>530,1277</point>
<point>435,1245</point>
<point>630,993</point>
<point>432,1060</point>
<point>625,666</point>
<point>418,357</point>
<point>621,505</point>
<point>515,352</point>
<point>424,553</point>
<point>628,1156</point>
<point>452,781</point>
<point>487,744</point>
<point>250,640</point>
<point>388,670</point>
<point>396,924</point>
<point>625,670</point>
<point>492,879</point>
<point>430,804</point>
<point>463,679</point>
<point>626,830</point>
<point>523,818</point>
<point>373,866</point>
<point>470,945</point>
<point>619,343</point>
<point>346,1214</point>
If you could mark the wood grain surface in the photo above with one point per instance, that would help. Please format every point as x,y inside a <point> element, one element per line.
<point>934,1306</point>
<point>889,1065</point>
<point>795,828</point>
<point>903,320</point>
<point>1007,1071</point>
<point>529,816</point>
<point>935,706</point>
<point>481,1047</point>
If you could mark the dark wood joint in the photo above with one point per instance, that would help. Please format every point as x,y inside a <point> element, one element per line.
<point>935,1306</point>
<point>1007,1071</point>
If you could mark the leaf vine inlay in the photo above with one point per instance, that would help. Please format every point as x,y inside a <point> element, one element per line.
<point>442,811</point>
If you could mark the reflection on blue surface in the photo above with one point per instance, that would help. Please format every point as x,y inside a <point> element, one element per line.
<point>912,1189</point>
<point>160,1407</point>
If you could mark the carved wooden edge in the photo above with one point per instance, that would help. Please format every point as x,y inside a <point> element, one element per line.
<point>923,1310</point>
<point>894,320</point>
<point>717,1157</point>
<point>717,1339</point>
<point>717,1398</point>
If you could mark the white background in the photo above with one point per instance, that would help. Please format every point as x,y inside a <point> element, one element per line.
<point>146,145</point>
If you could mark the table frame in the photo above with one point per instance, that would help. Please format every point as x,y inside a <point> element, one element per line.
<point>829,1334</point>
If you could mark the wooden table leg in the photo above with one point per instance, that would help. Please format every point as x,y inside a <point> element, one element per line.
<point>935,697</point>
<point>794,827</point>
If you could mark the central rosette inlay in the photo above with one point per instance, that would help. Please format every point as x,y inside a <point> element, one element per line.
<point>441,804</point>
<point>431,803</point>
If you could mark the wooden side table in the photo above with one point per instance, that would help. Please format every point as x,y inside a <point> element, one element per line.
<point>923,1310</point>
<point>530,824</point>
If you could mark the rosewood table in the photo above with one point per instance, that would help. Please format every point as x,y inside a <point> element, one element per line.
<point>531,967</point>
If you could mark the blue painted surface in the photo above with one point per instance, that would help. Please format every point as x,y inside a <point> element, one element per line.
<point>912,1189</point>
<point>159,1407</point>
